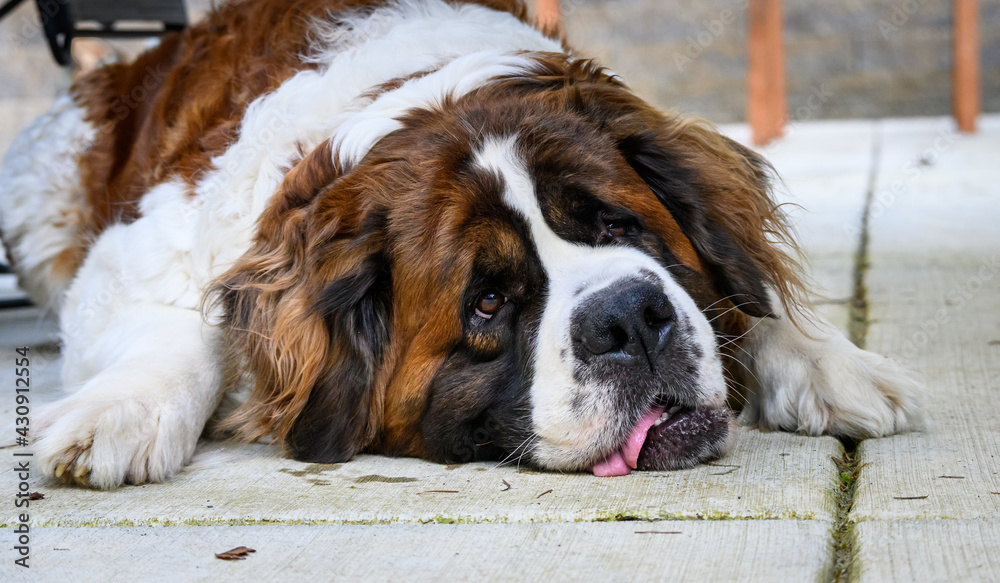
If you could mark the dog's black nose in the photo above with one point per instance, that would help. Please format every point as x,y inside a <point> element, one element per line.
<point>629,323</point>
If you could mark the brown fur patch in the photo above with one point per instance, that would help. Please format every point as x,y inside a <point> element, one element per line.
<point>179,105</point>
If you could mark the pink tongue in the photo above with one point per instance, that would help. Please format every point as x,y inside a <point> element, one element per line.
<point>621,462</point>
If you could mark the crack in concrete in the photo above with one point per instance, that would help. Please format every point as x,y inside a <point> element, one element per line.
<point>848,467</point>
<point>858,325</point>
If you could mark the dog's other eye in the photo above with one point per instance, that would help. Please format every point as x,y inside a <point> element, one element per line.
<point>616,228</point>
<point>489,303</point>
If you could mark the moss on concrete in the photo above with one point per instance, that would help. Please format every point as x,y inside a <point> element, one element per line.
<point>848,470</point>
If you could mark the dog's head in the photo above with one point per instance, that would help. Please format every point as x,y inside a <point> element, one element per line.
<point>544,268</point>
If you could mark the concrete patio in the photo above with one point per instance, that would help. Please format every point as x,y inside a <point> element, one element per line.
<point>918,281</point>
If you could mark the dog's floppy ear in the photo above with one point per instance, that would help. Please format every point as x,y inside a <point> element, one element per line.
<point>717,192</point>
<point>307,316</point>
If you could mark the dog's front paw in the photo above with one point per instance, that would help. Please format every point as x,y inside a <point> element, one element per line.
<point>106,442</point>
<point>828,386</point>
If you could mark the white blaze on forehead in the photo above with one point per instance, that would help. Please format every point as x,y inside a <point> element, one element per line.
<point>569,432</point>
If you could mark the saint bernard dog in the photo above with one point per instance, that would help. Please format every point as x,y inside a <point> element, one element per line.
<point>414,228</point>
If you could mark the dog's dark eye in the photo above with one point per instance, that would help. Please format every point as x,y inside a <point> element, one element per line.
<point>616,228</point>
<point>489,303</point>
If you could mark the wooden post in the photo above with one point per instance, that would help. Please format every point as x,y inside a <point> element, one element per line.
<point>965,88</point>
<point>548,16</point>
<point>767,103</point>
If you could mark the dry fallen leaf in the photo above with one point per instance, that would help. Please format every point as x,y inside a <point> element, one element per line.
<point>237,554</point>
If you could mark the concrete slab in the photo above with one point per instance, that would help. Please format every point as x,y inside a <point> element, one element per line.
<point>769,476</point>
<point>28,326</point>
<point>934,290</point>
<point>925,551</point>
<point>637,551</point>
<point>32,328</point>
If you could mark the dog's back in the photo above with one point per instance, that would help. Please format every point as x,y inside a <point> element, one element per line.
<point>127,127</point>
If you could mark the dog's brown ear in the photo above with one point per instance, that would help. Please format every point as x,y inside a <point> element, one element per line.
<point>307,317</point>
<point>718,192</point>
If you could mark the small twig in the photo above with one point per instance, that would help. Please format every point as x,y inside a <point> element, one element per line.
<point>543,493</point>
<point>910,497</point>
<point>723,473</point>
<point>953,477</point>
<point>506,486</point>
<point>438,492</point>
<point>658,532</point>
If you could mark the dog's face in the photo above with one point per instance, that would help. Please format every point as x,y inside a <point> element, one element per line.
<point>536,271</point>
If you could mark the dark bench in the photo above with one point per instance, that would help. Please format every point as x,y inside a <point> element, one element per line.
<point>65,19</point>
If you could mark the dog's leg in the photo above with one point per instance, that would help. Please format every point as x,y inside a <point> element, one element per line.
<point>813,380</point>
<point>138,418</point>
<point>142,371</point>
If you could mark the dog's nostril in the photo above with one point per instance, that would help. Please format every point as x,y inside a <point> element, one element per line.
<point>656,319</point>
<point>619,338</point>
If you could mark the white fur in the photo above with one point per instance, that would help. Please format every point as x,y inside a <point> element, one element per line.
<point>815,381</point>
<point>141,365</point>
<point>41,193</point>
<point>139,418</point>
<point>567,438</point>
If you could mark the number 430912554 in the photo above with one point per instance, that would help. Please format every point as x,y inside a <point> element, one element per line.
<point>22,386</point>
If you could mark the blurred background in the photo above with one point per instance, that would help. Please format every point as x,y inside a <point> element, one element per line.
<point>862,58</point>
<point>867,58</point>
